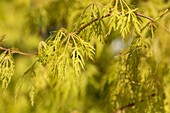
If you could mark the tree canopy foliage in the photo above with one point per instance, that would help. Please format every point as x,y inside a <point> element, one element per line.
<point>81,56</point>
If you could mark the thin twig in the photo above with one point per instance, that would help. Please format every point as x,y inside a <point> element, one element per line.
<point>131,105</point>
<point>114,4</point>
<point>144,16</point>
<point>98,4</point>
<point>78,31</point>
<point>19,52</point>
<point>2,38</point>
<point>126,107</point>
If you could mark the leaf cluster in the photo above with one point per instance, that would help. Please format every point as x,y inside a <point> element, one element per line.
<point>62,49</point>
<point>6,68</point>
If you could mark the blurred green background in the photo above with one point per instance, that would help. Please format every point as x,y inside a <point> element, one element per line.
<point>27,22</point>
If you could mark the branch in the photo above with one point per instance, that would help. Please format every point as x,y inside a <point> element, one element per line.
<point>144,16</point>
<point>138,14</point>
<point>130,105</point>
<point>126,107</point>
<point>114,4</point>
<point>19,52</point>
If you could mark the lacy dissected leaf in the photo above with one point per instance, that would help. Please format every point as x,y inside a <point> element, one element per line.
<point>86,48</point>
<point>136,23</point>
<point>78,61</point>
<point>123,19</point>
<point>46,50</point>
<point>54,52</point>
<point>98,29</point>
<point>92,12</point>
<point>81,49</point>
<point>42,53</point>
<point>113,19</point>
<point>6,68</point>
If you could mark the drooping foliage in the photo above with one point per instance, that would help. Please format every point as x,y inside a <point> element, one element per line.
<point>6,68</point>
<point>77,70</point>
